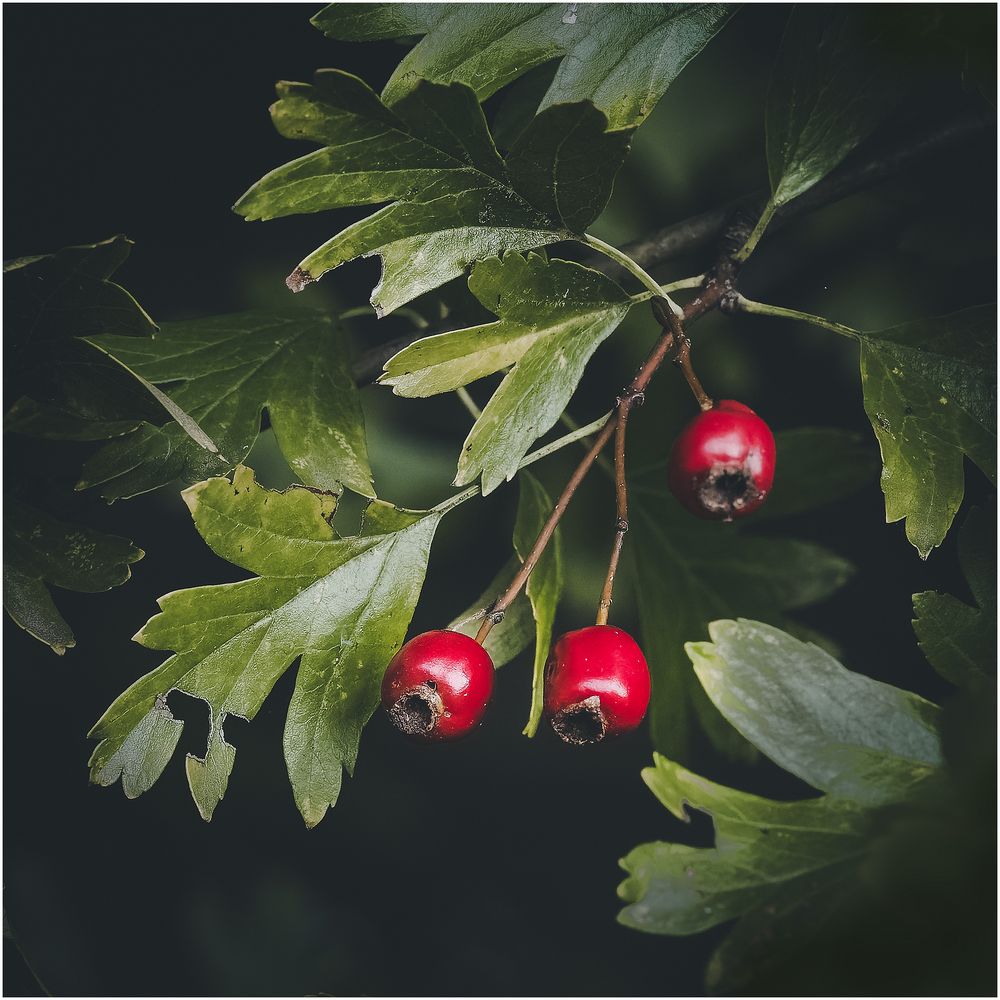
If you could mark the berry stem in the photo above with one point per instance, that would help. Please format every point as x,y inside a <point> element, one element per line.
<point>621,506</point>
<point>711,295</point>
<point>666,317</point>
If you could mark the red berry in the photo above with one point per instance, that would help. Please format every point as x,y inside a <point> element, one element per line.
<point>438,685</point>
<point>596,684</point>
<point>722,464</point>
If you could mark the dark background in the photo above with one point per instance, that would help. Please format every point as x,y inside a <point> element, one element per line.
<point>484,868</point>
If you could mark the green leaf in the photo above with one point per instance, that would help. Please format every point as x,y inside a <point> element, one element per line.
<point>41,551</point>
<point>514,633</point>
<point>544,586</point>
<point>621,58</point>
<point>553,316</point>
<point>688,572</point>
<point>761,848</point>
<point>960,641</point>
<point>817,466</point>
<point>841,732</point>
<point>834,82</point>
<point>452,199</point>
<point>340,606</point>
<point>57,387</point>
<point>224,371</point>
<point>930,394</point>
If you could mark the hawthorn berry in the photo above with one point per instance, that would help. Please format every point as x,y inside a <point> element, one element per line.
<point>596,684</point>
<point>438,685</point>
<point>722,464</point>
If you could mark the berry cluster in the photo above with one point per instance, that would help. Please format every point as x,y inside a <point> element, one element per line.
<point>437,687</point>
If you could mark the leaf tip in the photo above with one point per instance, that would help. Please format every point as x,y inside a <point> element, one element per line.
<point>298,280</point>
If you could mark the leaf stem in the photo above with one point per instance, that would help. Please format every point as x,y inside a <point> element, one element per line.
<point>535,456</point>
<point>758,231</point>
<point>631,266</point>
<point>746,305</point>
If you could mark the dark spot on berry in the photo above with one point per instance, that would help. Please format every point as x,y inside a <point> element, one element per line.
<point>416,713</point>
<point>581,723</point>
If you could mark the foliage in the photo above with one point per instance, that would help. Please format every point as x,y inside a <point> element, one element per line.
<point>793,872</point>
<point>224,371</point>
<point>553,316</point>
<point>453,200</point>
<point>454,185</point>
<point>340,605</point>
<point>58,388</point>
<point>621,59</point>
<point>930,393</point>
<point>730,571</point>
<point>41,551</point>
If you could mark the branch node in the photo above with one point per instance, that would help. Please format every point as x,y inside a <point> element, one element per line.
<point>622,525</point>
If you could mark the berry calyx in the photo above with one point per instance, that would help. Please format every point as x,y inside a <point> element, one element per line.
<point>722,464</point>
<point>438,685</point>
<point>596,684</point>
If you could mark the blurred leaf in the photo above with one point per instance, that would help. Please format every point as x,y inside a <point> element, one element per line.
<point>831,87</point>
<point>960,641</point>
<point>817,466</point>
<point>514,634</point>
<point>55,386</point>
<point>930,393</point>
<point>801,876</point>
<point>340,606</point>
<point>761,848</point>
<point>224,371</point>
<point>554,315</point>
<point>622,58</point>
<point>452,199</point>
<point>841,732</point>
<point>40,551</point>
<point>689,572</point>
<point>544,585</point>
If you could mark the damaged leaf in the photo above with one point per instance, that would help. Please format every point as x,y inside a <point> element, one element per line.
<point>621,58</point>
<point>451,199</point>
<point>42,552</point>
<point>338,606</point>
<point>225,371</point>
<point>553,316</point>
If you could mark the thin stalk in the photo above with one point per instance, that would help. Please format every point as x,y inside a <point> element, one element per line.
<point>763,309</point>
<point>567,421</point>
<point>758,231</point>
<point>621,509</point>
<point>535,456</point>
<point>666,318</point>
<point>468,402</point>
<point>631,266</point>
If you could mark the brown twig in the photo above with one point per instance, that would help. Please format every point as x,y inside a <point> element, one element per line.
<point>624,408</point>
<point>666,317</point>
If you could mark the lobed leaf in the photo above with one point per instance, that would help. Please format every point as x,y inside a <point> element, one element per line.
<point>688,572</point>
<point>452,199</point>
<point>338,606</point>
<point>960,641</point>
<point>621,58</point>
<point>41,551</point>
<point>930,394</point>
<point>841,732</point>
<point>225,371</point>
<point>553,316</point>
